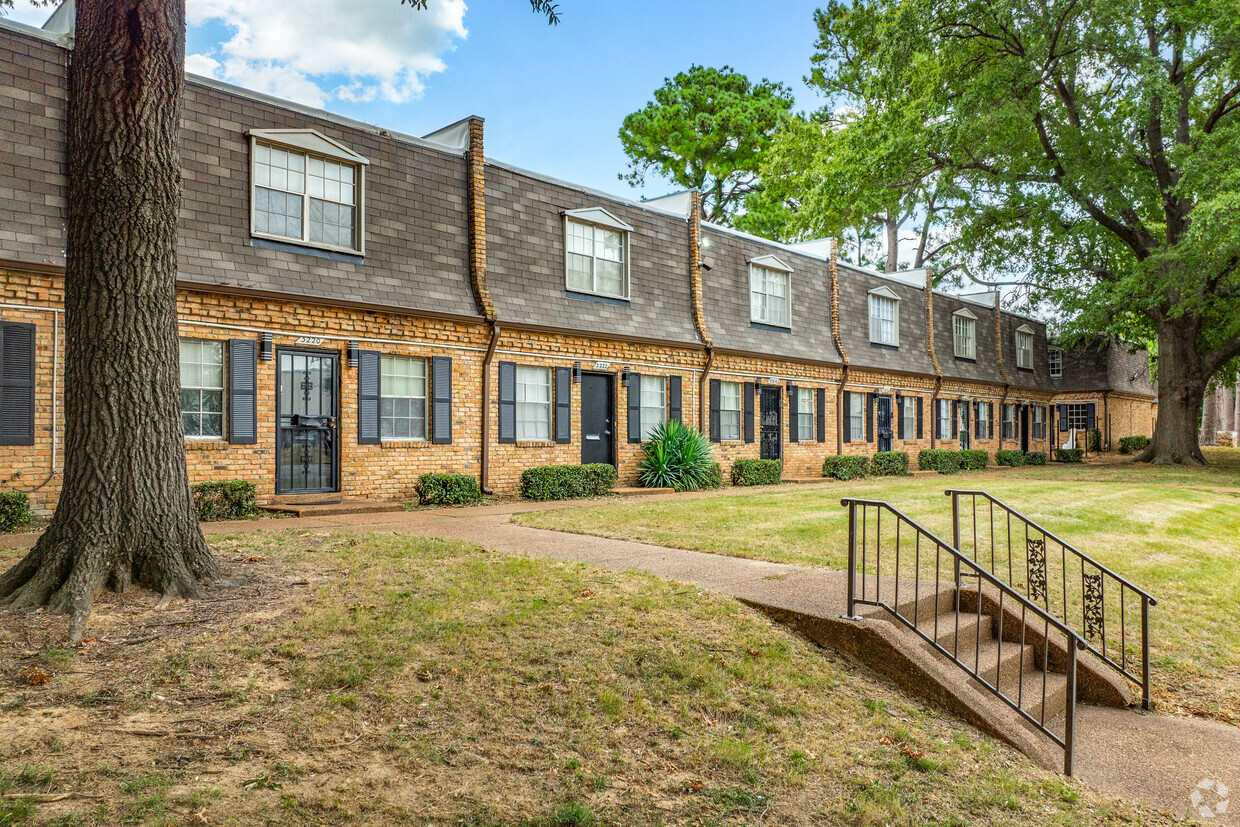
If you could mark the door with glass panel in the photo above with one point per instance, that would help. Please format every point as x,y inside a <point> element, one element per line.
<point>307,401</point>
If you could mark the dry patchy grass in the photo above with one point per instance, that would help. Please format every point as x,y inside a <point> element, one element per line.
<point>376,679</point>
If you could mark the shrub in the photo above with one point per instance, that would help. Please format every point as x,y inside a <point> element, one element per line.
<point>1015,459</point>
<point>1095,439</point>
<point>1035,458</point>
<point>447,489</point>
<point>756,471</point>
<point>890,464</point>
<point>14,510</point>
<point>845,468</point>
<point>1133,444</point>
<point>939,459</point>
<point>567,482</point>
<point>714,476</point>
<point>676,456</point>
<point>225,500</point>
<point>1069,455</point>
<point>974,460</point>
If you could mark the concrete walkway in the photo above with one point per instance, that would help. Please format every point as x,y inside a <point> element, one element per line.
<point>1153,759</point>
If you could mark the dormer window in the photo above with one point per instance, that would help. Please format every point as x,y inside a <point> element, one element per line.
<point>1024,347</point>
<point>770,292</point>
<point>306,189</point>
<point>884,317</point>
<point>597,253</point>
<point>1054,362</point>
<point>964,334</point>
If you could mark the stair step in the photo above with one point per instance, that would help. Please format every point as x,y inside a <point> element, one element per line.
<point>1031,696</point>
<point>327,507</point>
<point>968,629</point>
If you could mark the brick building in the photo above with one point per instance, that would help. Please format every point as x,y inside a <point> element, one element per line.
<point>1104,385</point>
<point>359,307</point>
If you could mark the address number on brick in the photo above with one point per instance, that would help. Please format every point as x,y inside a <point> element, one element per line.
<point>310,341</point>
<point>602,365</point>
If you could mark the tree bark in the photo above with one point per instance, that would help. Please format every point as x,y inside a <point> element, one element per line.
<point>1181,390</point>
<point>892,231</point>
<point>1209,419</point>
<point>125,514</point>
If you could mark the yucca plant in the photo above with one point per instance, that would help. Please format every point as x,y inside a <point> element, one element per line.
<point>676,456</point>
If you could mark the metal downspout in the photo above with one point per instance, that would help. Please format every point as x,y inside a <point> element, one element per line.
<point>704,392</point>
<point>485,475</point>
<point>839,413</point>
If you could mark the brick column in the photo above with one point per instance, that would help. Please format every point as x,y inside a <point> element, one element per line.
<point>475,166</point>
<point>695,266</point>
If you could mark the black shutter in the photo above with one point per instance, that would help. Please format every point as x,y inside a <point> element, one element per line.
<point>563,405</point>
<point>714,410</point>
<point>990,420</point>
<point>242,392</point>
<point>955,418</point>
<point>747,402</point>
<point>17,384</point>
<point>635,407</point>
<point>822,415</point>
<point>977,420</point>
<point>674,411</point>
<point>1063,417</point>
<point>507,403</point>
<point>441,400</point>
<point>869,417</point>
<point>846,417</point>
<point>794,424</point>
<point>368,397</point>
<point>1090,414</point>
<point>898,413</point>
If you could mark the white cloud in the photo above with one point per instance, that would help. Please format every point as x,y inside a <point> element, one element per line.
<point>300,49</point>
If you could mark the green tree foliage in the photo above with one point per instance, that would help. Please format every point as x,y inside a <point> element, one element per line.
<point>1095,146</point>
<point>707,130</point>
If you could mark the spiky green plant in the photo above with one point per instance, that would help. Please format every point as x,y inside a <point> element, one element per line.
<point>676,456</point>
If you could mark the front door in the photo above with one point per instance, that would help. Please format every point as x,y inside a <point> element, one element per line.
<point>772,433</point>
<point>597,404</point>
<point>1024,428</point>
<point>884,423</point>
<point>307,401</point>
<point>966,432</point>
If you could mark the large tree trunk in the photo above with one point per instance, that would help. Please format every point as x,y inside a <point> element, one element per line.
<point>1181,389</point>
<point>1226,400</point>
<point>125,513</point>
<point>892,231</point>
<point>1209,419</point>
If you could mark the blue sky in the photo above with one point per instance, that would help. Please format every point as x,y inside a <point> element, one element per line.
<point>553,97</point>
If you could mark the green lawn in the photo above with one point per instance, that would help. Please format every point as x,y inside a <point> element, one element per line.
<point>1174,532</point>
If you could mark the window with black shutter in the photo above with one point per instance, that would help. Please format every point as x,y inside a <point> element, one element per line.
<point>793,410</point>
<point>714,411</point>
<point>507,403</point>
<point>17,349</point>
<point>635,407</point>
<point>441,395</point>
<point>674,411</point>
<point>242,391</point>
<point>563,405</point>
<point>368,374</point>
<point>749,390</point>
<point>822,415</point>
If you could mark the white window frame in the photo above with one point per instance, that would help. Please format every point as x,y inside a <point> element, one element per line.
<point>880,297</point>
<point>806,414</point>
<point>535,412</point>
<point>310,143</point>
<point>731,427</point>
<point>1008,430</point>
<point>964,331</point>
<point>1078,416</point>
<point>944,420</point>
<point>385,393</point>
<point>1024,355</point>
<point>1054,362</point>
<point>856,417</point>
<point>762,271</point>
<point>202,388</point>
<point>1037,424</point>
<point>596,218</point>
<point>908,415</point>
<point>983,420</point>
<point>653,410</point>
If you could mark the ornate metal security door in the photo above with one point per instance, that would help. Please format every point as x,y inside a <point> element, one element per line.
<point>307,401</point>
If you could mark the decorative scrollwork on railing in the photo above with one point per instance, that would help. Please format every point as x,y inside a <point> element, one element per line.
<point>1037,567</point>
<point>1093,605</point>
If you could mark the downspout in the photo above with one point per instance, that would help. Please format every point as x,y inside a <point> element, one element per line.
<point>934,412</point>
<point>703,390</point>
<point>697,290</point>
<point>839,413</point>
<point>485,476</point>
<point>1106,417</point>
<point>833,272</point>
<point>1007,380</point>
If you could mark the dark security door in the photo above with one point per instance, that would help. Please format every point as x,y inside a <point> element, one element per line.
<point>884,422</point>
<point>772,434</point>
<point>966,427</point>
<point>1024,428</point>
<point>306,405</point>
<point>597,404</point>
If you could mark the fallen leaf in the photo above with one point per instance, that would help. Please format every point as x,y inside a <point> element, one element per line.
<point>35,676</point>
<point>754,653</point>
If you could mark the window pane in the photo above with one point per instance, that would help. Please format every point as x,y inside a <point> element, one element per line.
<point>610,277</point>
<point>402,405</point>
<point>580,272</point>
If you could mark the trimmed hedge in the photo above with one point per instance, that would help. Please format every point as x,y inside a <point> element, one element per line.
<point>567,482</point>
<point>1094,435</point>
<point>14,510</point>
<point>890,464</point>
<point>757,471</point>
<point>226,500</point>
<point>1069,455</point>
<point>714,477</point>
<point>845,467</point>
<point>974,460</point>
<point>447,489</point>
<point>1035,458</point>
<point>1015,459</point>
<point>939,459</point>
<point>1133,444</point>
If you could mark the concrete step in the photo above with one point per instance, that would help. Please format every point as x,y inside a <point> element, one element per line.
<point>968,634</point>
<point>633,491</point>
<point>1030,694</point>
<point>330,506</point>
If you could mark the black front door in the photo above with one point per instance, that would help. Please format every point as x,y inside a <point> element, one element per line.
<point>306,406</point>
<point>883,424</point>
<point>772,434</point>
<point>966,427</point>
<point>597,404</point>
<point>1024,428</point>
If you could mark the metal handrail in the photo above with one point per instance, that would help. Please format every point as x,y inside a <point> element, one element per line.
<point>1072,640</point>
<point>1098,626</point>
